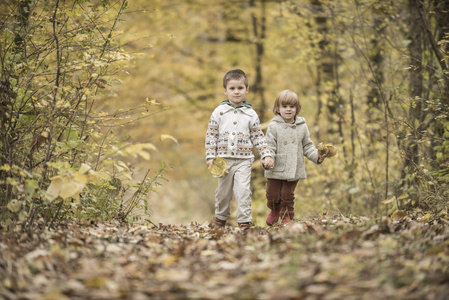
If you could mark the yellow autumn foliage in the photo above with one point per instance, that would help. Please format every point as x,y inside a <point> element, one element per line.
<point>327,150</point>
<point>64,186</point>
<point>139,150</point>
<point>164,137</point>
<point>71,184</point>
<point>218,168</point>
<point>398,215</point>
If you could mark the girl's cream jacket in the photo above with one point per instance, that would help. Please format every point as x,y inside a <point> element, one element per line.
<point>290,143</point>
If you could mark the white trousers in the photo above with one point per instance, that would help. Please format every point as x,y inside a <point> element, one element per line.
<point>236,182</point>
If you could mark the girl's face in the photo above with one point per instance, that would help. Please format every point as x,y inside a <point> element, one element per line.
<point>288,113</point>
<point>236,91</point>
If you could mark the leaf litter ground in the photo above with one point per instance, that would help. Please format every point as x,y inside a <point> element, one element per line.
<point>321,258</point>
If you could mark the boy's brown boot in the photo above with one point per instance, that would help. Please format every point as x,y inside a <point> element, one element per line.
<point>217,223</point>
<point>245,226</point>
<point>273,217</point>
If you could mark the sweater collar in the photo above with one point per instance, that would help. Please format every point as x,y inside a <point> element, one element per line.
<point>244,104</point>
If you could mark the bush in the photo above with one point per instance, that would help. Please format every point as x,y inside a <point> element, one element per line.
<point>59,158</point>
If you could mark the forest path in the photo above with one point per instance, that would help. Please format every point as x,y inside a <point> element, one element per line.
<point>322,258</point>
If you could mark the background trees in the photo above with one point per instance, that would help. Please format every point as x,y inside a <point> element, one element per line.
<point>351,62</point>
<point>372,78</point>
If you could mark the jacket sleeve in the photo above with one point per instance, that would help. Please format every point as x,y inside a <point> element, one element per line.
<point>212,138</point>
<point>258,139</point>
<point>271,139</point>
<point>310,151</point>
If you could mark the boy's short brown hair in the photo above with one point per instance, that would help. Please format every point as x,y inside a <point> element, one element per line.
<point>286,97</point>
<point>235,74</point>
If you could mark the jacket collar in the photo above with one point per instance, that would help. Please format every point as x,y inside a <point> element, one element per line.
<point>298,120</point>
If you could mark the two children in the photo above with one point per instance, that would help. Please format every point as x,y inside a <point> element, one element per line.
<point>234,129</point>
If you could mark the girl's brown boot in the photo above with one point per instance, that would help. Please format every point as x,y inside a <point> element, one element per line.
<point>286,219</point>
<point>273,217</point>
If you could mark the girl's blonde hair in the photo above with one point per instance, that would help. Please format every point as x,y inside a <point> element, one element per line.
<point>286,97</point>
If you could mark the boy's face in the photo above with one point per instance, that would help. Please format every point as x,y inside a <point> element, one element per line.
<point>236,91</point>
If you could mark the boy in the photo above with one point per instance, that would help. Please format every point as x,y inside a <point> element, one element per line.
<point>234,129</point>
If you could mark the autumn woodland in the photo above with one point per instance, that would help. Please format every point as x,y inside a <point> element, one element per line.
<point>105,194</point>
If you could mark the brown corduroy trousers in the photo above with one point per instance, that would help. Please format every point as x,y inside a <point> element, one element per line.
<point>281,196</point>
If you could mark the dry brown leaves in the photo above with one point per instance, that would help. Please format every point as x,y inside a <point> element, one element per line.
<point>322,258</point>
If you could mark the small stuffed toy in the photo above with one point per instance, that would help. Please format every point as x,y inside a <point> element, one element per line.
<point>327,150</point>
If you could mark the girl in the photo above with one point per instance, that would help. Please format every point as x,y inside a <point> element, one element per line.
<point>288,137</point>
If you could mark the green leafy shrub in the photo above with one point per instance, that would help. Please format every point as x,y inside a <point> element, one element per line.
<point>59,158</point>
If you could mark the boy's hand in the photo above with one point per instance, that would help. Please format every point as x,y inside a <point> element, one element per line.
<point>209,162</point>
<point>268,162</point>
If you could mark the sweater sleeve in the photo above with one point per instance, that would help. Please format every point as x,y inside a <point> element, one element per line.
<point>212,138</point>
<point>258,139</point>
<point>310,151</point>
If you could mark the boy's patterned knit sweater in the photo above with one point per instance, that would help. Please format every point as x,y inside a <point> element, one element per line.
<point>234,131</point>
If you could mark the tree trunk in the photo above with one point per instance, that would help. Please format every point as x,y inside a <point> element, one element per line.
<point>418,5</point>
<point>8,95</point>
<point>325,67</point>
<point>24,9</point>
<point>259,27</point>
<point>441,9</point>
<point>375,98</point>
<point>415,114</point>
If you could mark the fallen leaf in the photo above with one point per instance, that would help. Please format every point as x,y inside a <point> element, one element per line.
<point>327,150</point>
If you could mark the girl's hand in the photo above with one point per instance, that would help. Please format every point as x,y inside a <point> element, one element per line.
<point>209,162</point>
<point>320,159</point>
